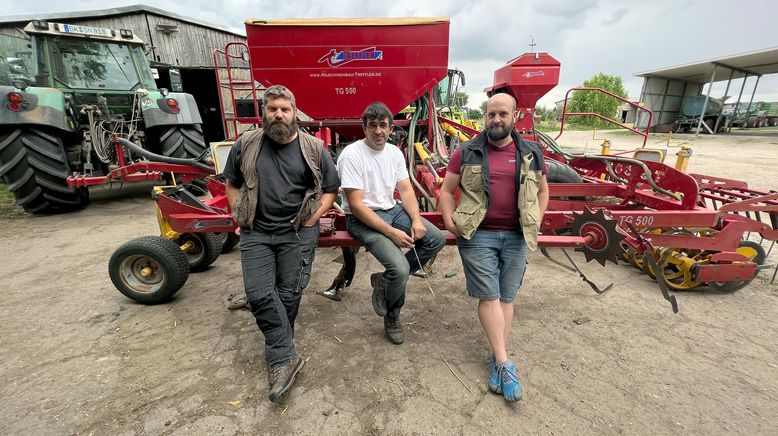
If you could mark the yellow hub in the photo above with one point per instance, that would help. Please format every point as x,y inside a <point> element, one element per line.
<point>146,271</point>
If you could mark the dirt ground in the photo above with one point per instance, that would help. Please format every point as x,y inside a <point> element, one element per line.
<point>80,358</point>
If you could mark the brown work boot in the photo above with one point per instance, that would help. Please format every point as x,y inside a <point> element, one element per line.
<point>393,330</point>
<point>379,293</point>
<point>282,378</point>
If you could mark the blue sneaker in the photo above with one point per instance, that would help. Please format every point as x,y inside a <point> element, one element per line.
<point>494,377</point>
<point>509,383</point>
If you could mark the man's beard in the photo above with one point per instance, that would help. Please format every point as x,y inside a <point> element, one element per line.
<point>498,133</point>
<point>279,131</point>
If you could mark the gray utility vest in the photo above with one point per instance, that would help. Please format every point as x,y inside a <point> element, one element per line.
<point>474,187</point>
<point>245,207</point>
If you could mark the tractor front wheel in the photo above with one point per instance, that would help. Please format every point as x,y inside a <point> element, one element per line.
<point>149,269</point>
<point>34,166</point>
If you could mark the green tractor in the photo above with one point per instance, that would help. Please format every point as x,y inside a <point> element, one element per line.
<point>65,91</point>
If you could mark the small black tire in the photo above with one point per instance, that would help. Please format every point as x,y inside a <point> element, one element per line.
<point>182,141</point>
<point>149,269</point>
<point>231,239</point>
<point>559,172</point>
<point>207,248</point>
<point>757,255</point>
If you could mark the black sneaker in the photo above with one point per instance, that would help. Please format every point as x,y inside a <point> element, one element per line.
<point>379,293</point>
<point>393,330</point>
<point>282,378</point>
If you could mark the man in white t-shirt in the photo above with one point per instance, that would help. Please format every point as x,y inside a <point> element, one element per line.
<point>370,171</point>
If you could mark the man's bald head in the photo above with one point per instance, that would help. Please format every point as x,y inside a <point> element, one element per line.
<point>502,98</point>
<point>499,117</point>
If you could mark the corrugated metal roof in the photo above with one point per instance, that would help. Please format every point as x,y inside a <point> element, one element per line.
<point>753,63</point>
<point>97,13</point>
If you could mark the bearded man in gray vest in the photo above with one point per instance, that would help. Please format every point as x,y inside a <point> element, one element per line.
<point>280,180</point>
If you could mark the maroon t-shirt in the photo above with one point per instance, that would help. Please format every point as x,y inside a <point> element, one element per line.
<point>503,212</point>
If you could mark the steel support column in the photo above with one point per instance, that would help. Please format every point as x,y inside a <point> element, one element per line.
<point>737,105</point>
<point>707,97</point>
<point>750,102</point>
<point>723,100</point>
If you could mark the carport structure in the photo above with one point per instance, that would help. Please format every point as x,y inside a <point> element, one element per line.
<point>666,90</point>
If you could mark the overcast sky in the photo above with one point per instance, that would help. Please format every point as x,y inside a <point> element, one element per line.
<point>618,37</point>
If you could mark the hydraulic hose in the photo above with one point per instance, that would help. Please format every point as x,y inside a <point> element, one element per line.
<point>412,152</point>
<point>167,159</point>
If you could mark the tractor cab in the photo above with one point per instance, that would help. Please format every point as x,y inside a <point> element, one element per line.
<point>68,93</point>
<point>449,98</point>
<point>88,59</point>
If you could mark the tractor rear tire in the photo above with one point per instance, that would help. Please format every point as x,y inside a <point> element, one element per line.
<point>182,141</point>
<point>207,248</point>
<point>34,166</point>
<point>149,269</point>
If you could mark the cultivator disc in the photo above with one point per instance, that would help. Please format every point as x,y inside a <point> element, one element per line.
<point>602,234</point>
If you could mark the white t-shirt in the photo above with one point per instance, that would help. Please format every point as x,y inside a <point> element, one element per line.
<point>374,172</point>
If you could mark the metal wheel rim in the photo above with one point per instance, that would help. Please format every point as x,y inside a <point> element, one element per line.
<point>130,273</point>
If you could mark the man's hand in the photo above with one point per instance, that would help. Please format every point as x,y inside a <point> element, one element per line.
<point>451,227</point>
<point>446,203</point>
<point>400,238</point>
<point>418,230</point>
<point>310,222</point>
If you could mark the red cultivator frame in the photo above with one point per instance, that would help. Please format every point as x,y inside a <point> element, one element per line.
<point>609,207</point>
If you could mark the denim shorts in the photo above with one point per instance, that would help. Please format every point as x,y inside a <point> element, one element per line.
<point>494,264</point>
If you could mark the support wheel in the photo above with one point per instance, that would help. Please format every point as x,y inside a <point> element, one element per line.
<point>200,249</point>
<point>750,249</point>
<point>149,269</point>
<point>231,239</point>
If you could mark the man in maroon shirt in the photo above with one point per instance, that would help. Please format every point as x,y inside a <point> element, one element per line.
<point>490,172</point>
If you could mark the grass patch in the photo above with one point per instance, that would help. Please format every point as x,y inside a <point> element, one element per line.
<point>7,203</point>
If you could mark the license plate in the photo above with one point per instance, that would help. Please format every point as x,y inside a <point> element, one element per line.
<point>84,30</point>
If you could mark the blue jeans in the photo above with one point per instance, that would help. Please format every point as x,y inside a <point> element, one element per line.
<point>276,269</point>
<point>494,263</point>
<point>398,265</point>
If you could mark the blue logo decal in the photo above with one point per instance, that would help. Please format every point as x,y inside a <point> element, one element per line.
<point>337,58</point>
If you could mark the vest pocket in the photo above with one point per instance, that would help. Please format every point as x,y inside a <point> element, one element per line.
<point>467,217</point>
<point>528,198</point>
<point>529,208</point>
<point>240,210</point>
<point>472,178</point>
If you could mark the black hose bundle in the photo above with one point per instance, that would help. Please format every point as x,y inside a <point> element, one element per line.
<point>166,159</point>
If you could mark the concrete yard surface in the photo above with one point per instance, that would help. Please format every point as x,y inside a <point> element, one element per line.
<point>80,358</point>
